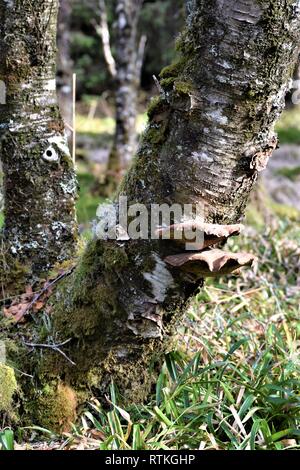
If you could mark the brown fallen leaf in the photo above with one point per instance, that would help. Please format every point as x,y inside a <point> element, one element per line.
<point>211,233</point>
<point>16,312</point>
<point>254,327</point>
<point>32,301</point>
<point>29,292</point>
<point>210,263</point>
<point>96,434</point>
<point>39,305</point>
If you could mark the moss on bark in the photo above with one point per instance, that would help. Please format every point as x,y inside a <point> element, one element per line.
<point>8,387</point>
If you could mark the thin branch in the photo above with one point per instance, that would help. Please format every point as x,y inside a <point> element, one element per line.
<point>69,127</point>
<point>158,85</point>
<point>53,347</point>
<point>23,373</point>
<point>102,30</point>
<point>141,55</point>
<point>45,289</point>
<point>74,119</point>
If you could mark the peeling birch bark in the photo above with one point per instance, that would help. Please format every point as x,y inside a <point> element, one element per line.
<point>39,179</point>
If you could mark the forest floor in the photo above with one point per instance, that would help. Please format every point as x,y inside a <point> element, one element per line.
<point>233,382</point>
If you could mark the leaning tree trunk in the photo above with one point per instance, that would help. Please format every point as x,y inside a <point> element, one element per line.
<point>64,66</point>
<point>126,84</point>
<point>39,179</point>
<point>209,135</point>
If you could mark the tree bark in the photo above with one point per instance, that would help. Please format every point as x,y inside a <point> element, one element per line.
<point>209,134</point>
<point>126,84</point>
<point>39,180</point>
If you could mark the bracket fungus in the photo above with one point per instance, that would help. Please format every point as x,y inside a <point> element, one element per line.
<point>205,260</point>
<point>193,230</point>
<point>210,263</point>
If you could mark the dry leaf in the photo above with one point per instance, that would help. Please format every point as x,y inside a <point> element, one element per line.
<point>16,312</point>
<point>38,306</point>
<point>96,434</point>
<point>254,327</point>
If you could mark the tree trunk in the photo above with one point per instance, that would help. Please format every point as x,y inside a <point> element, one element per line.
<point>65,64</point>
<point>209,134</point>
<point>126,84</point>
<point>292,97</point>
<point>39,179</point>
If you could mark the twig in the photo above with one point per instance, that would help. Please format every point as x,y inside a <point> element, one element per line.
<point>74,119</point>
<point>69,127</point>
<point>45,289</point>
<point>54,347</point>
<point>141,55</point>
<point>103,31</point>
<point>23,373</point>
<point>158,85</point>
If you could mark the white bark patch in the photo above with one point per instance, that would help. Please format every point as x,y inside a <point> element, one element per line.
<point>245,11</point>
<point>122,21</point>
<point>9,3</point>
<point>34,117</point>
<point>276,100</point>
<point>50,155</point>
<point>202,157</point>
<point>69,188</point>
<point>58,228</point>
<point>217,116</point>
<point>50,85</point>
<point>26,86</point>
<point>160,279</point>
<point>61,143</point>
<point>225,65</point>
<point>47,100</point>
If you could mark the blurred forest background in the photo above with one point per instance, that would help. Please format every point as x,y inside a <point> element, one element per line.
<point>244,331</point>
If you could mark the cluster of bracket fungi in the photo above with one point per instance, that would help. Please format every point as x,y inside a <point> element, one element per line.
<point>206,260</point>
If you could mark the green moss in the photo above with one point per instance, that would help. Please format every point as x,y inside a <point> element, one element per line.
<point>167,83</point>
<point>13,273</point>
<point>8,386</point>
<point>114,257</point>
<point>157,106</point>
<point>55,407</point>
<point>156,133</point>
<point>174,69</point>
<point>184,44</point>
<point>183,87</point>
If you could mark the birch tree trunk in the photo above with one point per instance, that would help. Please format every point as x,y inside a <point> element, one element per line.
<point>126,84</point>
<point>209,135</point>
<point>39,179</point>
